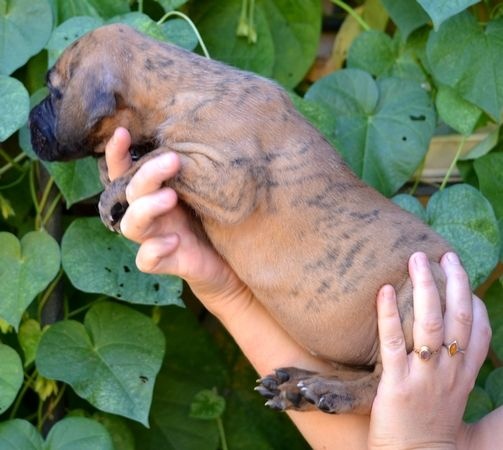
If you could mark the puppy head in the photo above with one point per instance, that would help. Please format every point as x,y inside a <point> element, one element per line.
<point>86,101</point>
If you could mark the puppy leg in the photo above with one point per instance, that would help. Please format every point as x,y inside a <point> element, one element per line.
<point>338,392</point>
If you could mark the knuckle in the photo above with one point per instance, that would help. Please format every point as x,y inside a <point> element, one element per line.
<point>432,324</point>
<point>394,342</point>
<point>464,317</point>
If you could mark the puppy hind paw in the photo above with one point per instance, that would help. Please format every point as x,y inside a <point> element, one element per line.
<point>281,390</point>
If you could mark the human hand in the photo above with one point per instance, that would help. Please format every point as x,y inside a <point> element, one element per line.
<point>171,240</point>
<point>420,403</point>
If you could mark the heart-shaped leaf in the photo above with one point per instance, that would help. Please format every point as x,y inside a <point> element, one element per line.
<point>494,303</point>
<point>71,433</point>
<point>407,15</point>
<point>11,376</point>
<point>207,405</point>
<point>382,128</point>
<point>68,32</point>
<point>26,268</point>
<point>29,336</point>
<point>287,35</point>
<point>77,180</point>
<point>142,23</point>
<point>25,26</point>
<point>20,434</point>
<point>440,11</point>
<point>66,9</point>
<point>97,260</point>
<point>111,361</point>
<point>14,106</point>
<point>465,218</point>
<point>479,404</point>
<point>466,55</point>
<point>455,111</point>
<point>494,386</point>
<point>80,433</point>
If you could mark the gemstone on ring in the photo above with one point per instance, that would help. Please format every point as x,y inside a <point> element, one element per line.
<point>425,352</point>
<point>453,348</point>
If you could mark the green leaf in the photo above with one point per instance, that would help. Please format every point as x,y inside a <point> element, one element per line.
<point>11,376</point>
<point>179,32</point>
<point>119,429</point>
<point>77,180</point>
<point>29,337</point>
<point>71,433</point>
<point>441,11</point>
<point>111,361</point>
<point>318,114</point>
<point>79,433</point>
<point>411,204</point>
<point>25,26</point>
<point>494,303</point>
<point>20,434</point>
<point>22,273</point>
<point>68,32</point>
<point>479,404</point>
<point>455,111</point>
<point>170,5</point>
<point>66,9</point>
<point>373,51</point>
<point>287,36</point>
<point>483,147</point>
<point>467,57</point>
<point>207,405</point>
<point>382,128</point>
<point>14,107</point>
<point>494,386</point>
<point>463,216</point>
<point>407,15</point>
<point>489,170</point>
<point>142,23</point>
<point>379,54</point>
<point>99,261</point>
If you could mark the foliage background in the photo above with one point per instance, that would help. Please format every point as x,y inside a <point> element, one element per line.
<point>92,350</point>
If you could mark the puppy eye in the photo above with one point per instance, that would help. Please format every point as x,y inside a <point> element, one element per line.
<point>56,93</point>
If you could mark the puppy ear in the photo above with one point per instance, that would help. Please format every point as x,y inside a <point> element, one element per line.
<point>99,98</point>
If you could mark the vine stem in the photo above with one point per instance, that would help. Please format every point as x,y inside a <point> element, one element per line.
<point>48,292</point>
<point>194,29</point>
<point>352,13</point>
<point>221,432</point>
<point>140,6</point>
<point>12,162</point>
<point>26,386</point>
<point>453,163</point>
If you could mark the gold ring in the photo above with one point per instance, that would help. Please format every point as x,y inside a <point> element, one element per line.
<point>453,348</point>
<point>425,352</point>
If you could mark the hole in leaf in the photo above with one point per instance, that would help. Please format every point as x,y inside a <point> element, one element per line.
<point>420,118</point>
<point>156,287</point>
<point>404,138</point>
<point>108,269</point>
<point>127,269</point>
<point>143,378</point>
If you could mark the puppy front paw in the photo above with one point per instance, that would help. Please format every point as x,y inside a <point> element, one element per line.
<point>113,204</point>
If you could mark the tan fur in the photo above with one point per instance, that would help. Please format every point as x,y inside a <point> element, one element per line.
<point>311,240</point>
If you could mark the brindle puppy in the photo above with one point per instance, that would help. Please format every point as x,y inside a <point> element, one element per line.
<point>312,241</point>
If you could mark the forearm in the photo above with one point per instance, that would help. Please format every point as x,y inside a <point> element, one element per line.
<point>267,346</point>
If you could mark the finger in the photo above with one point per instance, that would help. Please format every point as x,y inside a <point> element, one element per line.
<point>428,328</point>
<point>478,346</point>
<point>117,153</point>
<point>158,255</point>
<point>458,313</point>
<point>392,341</point>
<point>152,175</point>
<point>141,217</point>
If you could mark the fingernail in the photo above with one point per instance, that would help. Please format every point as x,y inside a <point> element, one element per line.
<point>452,258</point>
<point>420,260</point>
